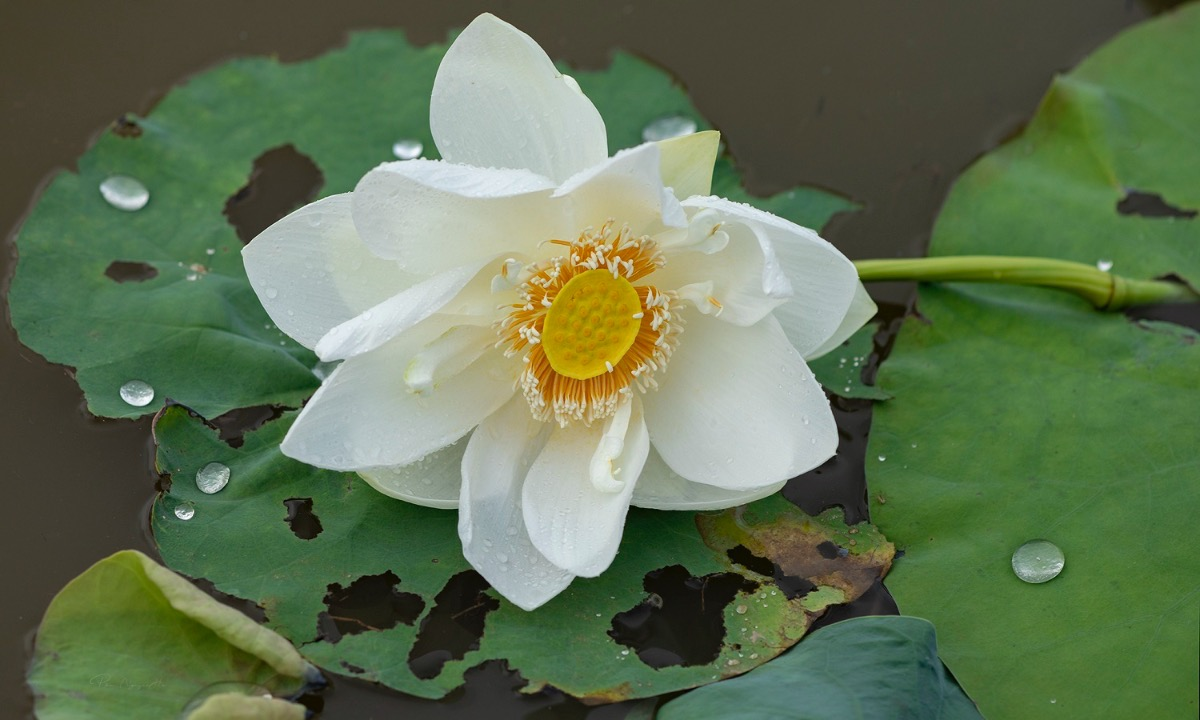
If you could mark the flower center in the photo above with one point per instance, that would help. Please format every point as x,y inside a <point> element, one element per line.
<point>589,331</point>
<point>591,323</point>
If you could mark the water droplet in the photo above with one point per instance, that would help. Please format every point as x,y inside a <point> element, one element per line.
<point>185,510</point>
<point>137,393</point>
<point>212,478</point>
<point>407,149</point>
<point>665,128</point>
<point>192,277</point>
<point>625,652</point>
<point>210,251</point>
<point>502,557</point>
<point>271,293</point>
<point>125,193</point>
<point>1038,561</point>
<point>1104,265</point>
<point>882,458</point>
<point>741,609</point>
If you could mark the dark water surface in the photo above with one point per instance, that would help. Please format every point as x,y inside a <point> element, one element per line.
<point>881,101</point>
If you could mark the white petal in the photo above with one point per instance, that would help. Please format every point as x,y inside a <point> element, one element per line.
<point>446,356</point>
<point>738,408</point>
<point>490,521</point>
<point>862,309</point>
<point>365,416</point>
<point>746,279</point>
<point>687,162</point>
<point>430,215</point>
<point>498,101</point>
<point>450,291</point>
<point>626,188</point>
<point>434,481</point>
<point>573,520</point>
<point>823,280</point>
<point>661,488</point>
<point>312,272</point>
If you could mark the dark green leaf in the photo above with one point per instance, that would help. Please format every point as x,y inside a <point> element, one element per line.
<point>868,668</point>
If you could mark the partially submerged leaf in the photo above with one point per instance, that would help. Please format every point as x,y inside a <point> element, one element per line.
<point>240,539</point>
<point>868,667</point>
<point>129,638</point>
<point>1023,414</point>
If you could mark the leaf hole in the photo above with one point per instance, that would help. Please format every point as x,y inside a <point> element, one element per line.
<point>281,180</point>
<point>682,621</point>
<point>124,271</point>
<point>372,602</point>
<point>454,626</point>
<point>791,586</point>
<point>301,519</point>
<point>1151,205</point>
<point>233,425</point>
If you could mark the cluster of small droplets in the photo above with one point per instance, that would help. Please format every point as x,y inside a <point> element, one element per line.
<point>554,396</point>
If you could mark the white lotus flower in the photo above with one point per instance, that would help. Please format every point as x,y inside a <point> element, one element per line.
<point>542,335</point>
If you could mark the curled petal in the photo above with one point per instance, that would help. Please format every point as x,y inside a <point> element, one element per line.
<point>433,481</point>
<point>365,416</point>
<point>498,101</point>
<point>862,309</point>
<point>738,408</point>
<point>576,520</point>
<point>459,289</point>
<point>661,488</point>
<point>312,272</point>
<point>490,522</point>
<point>430,216</point>
<point>823,280</point>
<point>733,263</point>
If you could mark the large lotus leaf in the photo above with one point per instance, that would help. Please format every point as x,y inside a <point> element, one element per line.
<point>176,311</point>
<point>868,667</point>
<point>1022,414</point>
<point>130,639</point>
<point>726,591</point>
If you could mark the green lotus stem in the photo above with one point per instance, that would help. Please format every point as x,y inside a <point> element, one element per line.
<point>1103,289</point>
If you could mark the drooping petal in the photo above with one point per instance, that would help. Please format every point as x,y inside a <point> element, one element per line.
<point>661,488</point>
<point>862,309</point>
<point>377,325</point>
<point>433,481</point>
<point>626,188</point>
<point>312,272</point>
<point>687,162</point>
<point>490,522</point>
<point>823,280</point>
<point>738,408</point>
<point>365,416</point>
<point>498,101</point>
<point>573,518</point>
<point>740,283</point>
<point>430,215</point>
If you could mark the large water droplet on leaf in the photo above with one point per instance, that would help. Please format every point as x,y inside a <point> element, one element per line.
<point>1038,561</point>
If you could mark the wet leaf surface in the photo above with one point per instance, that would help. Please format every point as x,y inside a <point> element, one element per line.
<point>130,639</point>
<point>676,562</point>
<point>1021,414</point>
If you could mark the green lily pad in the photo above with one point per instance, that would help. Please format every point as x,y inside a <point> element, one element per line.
<point>840,371</point>
<point>1023,414</point>
<point>307,582</point>
<point>130,639</point>
<point>159,295</point>
<point>868,667</point>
